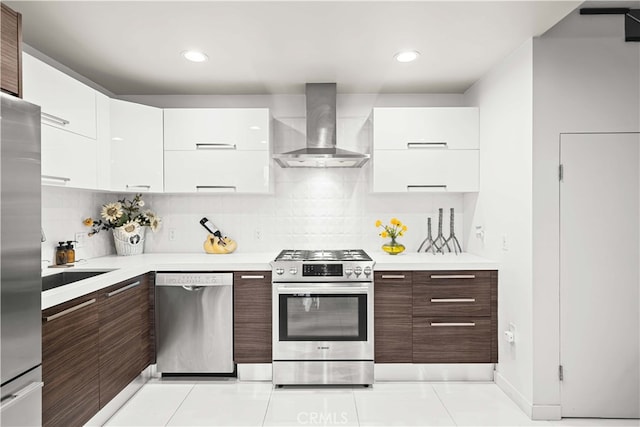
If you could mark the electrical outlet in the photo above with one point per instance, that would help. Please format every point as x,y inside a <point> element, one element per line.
<point>257,234</point>
<point>172,234</point>
<point>81,239</point>
<point>505,243</point>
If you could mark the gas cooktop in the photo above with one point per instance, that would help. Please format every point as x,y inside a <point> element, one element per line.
<point>323,255</point>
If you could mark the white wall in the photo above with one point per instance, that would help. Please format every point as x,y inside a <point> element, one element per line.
<point>586,79</point>
<point>63,210</point>
<point>330,208</point>
<point>503,208</point>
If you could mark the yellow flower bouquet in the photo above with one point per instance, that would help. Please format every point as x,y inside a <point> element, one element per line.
<point>394,230</point>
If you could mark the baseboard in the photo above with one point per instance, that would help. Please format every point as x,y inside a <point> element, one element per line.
<point>513,394</point>
<point>546,412</point>
<point>535,412</point>
<point>254,372</point>
<point>434,372</point>
<point>121,398</point>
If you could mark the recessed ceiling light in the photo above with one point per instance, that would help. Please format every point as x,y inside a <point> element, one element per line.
<point>194,56</point>
<point>254,127</point>
<point>117,138</point>
<point>407,56</point>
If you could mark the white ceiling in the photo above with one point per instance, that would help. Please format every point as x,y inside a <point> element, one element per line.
<point>265,47</point>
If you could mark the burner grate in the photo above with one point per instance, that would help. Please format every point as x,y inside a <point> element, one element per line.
<point>323,255</point>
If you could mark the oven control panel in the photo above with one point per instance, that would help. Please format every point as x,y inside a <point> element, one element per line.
<point>293,271</point>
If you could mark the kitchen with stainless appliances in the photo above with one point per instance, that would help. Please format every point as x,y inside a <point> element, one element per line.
<point>282,149</point>
<point>323,317</point>
<point>21,345</point>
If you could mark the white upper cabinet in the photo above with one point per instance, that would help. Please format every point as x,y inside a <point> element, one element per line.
<point>68,159</point>
<point>136,147</point>
<point>425,128</point>
<point>65,102</point>
<point>395,171</point>
<point>217,171</point>
<point>239,129</point>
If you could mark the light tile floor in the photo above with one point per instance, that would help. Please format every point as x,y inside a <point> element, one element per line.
<point>232,403</point>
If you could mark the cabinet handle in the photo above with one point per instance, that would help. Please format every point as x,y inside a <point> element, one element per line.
<point>16,397</point>
<point>216,188</point>
<point>214,146</point>
<point>453,300</point>
<point>252,277</point>
<point>453,276</point>
<point>122,289</point>
<point>426,144</point>
<point>69,310</point>
<point>142,186</point>
<point>393,276</point>
<point>55,119</point>
<point>426,187</point>
<point>471,324</point>
<point>62,179</point>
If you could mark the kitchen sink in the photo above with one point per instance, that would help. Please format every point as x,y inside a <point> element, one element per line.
<point>66,277</point>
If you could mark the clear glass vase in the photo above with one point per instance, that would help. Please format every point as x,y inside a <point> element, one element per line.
<point>393,247</point>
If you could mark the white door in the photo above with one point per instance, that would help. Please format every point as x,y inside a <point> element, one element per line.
<point>600,275</point>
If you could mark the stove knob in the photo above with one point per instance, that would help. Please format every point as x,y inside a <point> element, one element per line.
<point>279,271</point>
<point>367,271</point>
<point>358,270</point>
<point>293,270</point>
<point>348,271</point>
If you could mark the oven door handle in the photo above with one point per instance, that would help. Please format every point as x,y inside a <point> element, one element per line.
<point>318,288</point>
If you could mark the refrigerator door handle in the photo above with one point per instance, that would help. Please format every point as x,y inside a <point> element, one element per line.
<point>16,397</point>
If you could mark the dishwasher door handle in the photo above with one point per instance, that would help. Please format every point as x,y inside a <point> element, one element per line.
<point>192,288</point>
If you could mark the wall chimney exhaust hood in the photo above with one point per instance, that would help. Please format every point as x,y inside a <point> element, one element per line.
<point>321,150</point>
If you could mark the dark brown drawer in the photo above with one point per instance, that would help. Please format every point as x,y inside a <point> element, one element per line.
<point>453,299</point>
<point>451,340</point>
<point>451,277</point>
<point>393,277</point>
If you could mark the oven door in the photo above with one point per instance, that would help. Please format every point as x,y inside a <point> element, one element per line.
<point>323,321</point>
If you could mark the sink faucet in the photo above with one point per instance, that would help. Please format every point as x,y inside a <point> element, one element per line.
<point>43,238</point>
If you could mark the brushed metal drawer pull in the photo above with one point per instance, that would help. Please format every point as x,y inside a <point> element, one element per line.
<point>426,144</point>
<point>426,187</point>
<point>55,119</point>
<point>69,310</point>
<point>453,300</point>
<point>453,276</point>
<point>21,394</point>
<point>216,188</point>
<point>252,277</point>
<point>393,276</point>
<point>62,179</point>
<point>143,186</point>
<point>122,289</point>
<point>453,324</point>
<point>214,146</point>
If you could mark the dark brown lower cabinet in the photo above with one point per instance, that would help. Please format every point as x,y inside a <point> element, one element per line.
<point>93,347</point>
<point>393,318</point>
<point>123,335</point>
<point>451,340</point>
<point>70,359</point>
<point>252,317</point>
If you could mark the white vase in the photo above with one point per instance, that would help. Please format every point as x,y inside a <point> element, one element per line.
<point>129,244</point>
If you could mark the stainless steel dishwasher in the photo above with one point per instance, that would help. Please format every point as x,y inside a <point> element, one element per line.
<point>194,318</point>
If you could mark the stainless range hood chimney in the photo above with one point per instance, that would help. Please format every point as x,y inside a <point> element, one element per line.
<point>321,150</point>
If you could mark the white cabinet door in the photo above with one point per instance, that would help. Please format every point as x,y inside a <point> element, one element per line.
<point>401,171</point>
<point>217,171</point>
<point>446,127</point>
<point>216,129</point>
<point>136,147</point>
<point>65,102</point>
<point>68,159</point>
<point>103,140</point>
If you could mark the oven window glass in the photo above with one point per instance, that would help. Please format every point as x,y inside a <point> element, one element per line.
<point>323,317</point>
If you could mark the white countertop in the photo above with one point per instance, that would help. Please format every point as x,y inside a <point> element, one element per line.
<point>121,268</point>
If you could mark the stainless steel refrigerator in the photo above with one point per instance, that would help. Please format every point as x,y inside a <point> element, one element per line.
<point>20,282</point>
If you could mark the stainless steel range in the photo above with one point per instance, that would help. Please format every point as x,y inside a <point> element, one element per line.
<point>322,317</point>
